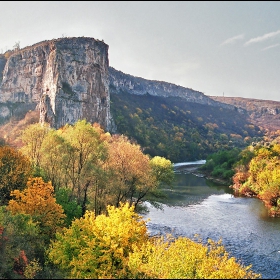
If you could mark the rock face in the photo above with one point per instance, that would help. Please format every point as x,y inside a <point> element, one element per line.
<point>120,81</point>
<point>65,79</point>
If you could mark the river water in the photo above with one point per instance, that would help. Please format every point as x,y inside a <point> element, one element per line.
<point>197,206</point>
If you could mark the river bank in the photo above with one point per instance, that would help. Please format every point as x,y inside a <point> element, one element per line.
<point>193,168</point>
<point>194,206</point>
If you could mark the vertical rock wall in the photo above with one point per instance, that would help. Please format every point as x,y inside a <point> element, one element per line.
<point>66,80</point>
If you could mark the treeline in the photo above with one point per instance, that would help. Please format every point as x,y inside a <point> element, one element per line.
<point>68,201</point>
<point>253,171</point>
<point>257,174</point>
<point>92,168</point>
<point>221,164</point>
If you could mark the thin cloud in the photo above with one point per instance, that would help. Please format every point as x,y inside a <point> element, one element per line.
<point>269,47</point>
<point>232,40</point>
<point>262,38</point>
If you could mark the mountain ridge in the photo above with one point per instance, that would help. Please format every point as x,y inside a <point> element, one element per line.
<point>86,86</point>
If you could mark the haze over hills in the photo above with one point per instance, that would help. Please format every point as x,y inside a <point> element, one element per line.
<point>265,113</point>
<point>64,80</point>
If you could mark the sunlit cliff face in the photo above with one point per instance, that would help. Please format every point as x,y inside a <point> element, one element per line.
<point>65,79</point>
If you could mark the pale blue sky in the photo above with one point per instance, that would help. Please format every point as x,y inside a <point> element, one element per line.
<point>213,47</point>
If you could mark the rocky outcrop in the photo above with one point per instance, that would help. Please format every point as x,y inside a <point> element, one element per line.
<point>120,81</point>
<point>65,79</point>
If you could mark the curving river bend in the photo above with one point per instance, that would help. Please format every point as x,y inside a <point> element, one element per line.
<point>197,206</point>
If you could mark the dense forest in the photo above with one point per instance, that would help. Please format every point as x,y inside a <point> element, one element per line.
<point>69,200</point>
<point>179,130</point>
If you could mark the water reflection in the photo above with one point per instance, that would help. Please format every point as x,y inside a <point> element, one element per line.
<point>196,206</point>
<point>189,189</point>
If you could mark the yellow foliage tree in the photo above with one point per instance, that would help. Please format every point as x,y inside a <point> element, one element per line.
<point>184,258</point>
<point>118,246</point>
<point>32,138</point>
<point>99,246</point>
<point>132,177</point>
<point>15,168</point>
<point>81,164</point>
<point>38,200</point>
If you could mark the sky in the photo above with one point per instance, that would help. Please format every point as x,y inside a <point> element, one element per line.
<point>220,48</point>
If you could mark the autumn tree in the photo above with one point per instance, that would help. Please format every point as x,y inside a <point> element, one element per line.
<point>132,175</point>
<point>97,168</point>
<point>260,176</point>
<point>85,155</point>
<point>117,246</point>
<point>15,168</point>
<point>32,138</point>
<point>99,246</point>
<point>183,258</point>
<point>38,201</point>
<point>70,157</point>
<point>20,245</point>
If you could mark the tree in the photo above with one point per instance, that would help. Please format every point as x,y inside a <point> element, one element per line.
<point>163,170</point>
<point>258,175</point>
<point>97,168</point>
<point>183,258</point>
<point>70,206</point>
<point>99,246</point>
<point>32,138</point>
<point>54,152</point>
<point>132,176</point>
<point>38,201</point>
<point>117,246</point>
<point>20,244</point>
<point>70,157</point>
<point>85,155</point>
<point>16,47</point>
<point>15,168</point>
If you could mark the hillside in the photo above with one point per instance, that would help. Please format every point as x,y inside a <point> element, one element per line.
<point>264,113</point>
<point>72,80</point>
<point>177,129</point>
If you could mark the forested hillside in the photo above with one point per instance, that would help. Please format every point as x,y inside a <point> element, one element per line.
<point>177,129</point>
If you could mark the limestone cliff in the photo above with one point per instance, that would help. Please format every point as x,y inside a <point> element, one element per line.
<point>65,79</point>
<point>120,81</point>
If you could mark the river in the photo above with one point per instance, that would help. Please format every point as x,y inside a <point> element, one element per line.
<point>197,206</point>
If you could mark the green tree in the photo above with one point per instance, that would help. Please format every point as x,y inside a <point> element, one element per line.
<point>20,244</point>
<point>55,152</point>
<point>85,155</point>
<point>70,206</point>
<point>162,168</point>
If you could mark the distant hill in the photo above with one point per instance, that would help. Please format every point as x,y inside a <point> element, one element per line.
<point>178,129</point>
<point>63,80</point>
<point>264,113</point>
